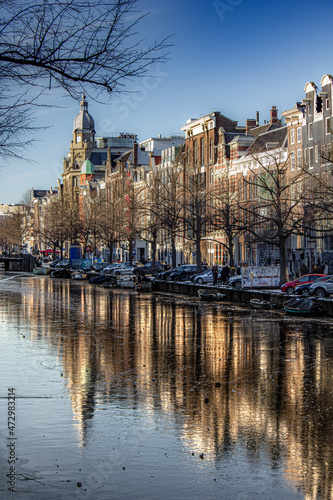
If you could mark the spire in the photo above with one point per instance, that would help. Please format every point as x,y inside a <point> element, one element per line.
<point>84,122</point>
<point>84,104</point>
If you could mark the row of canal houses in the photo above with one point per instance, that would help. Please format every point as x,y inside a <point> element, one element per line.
<point>215,146</point>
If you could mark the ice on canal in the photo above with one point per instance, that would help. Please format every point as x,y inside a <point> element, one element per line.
<point>113,394</point>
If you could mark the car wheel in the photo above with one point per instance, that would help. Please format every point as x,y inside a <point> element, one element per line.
<point>305,292</point>
<point>176,278</point>
<point>320,292</point>
<point>238,285</point>
<point>200,280</point>
<point>290,290</point>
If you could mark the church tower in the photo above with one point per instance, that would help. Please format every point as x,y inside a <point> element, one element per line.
<point>83,127</point>
<point>81,147</point>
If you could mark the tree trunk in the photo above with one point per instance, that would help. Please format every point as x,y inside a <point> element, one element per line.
<point>110,247</point>
<point>283,273</point>
<point>130,251</point>
<point>231,253</point>
<point>154,249</point>
<point>173,250</point>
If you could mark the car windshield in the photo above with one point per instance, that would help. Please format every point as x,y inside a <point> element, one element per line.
<point>324,278</point>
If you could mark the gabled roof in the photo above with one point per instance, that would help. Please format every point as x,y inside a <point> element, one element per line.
<point>261,129</point>
<point>265,142</point>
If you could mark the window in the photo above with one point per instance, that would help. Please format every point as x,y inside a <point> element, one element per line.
<point>195,153</point>
<point>316,154</point>
<point>310,110</point>
<point>299,134</point>
<point>310,131</point>
<point>299,158</point>
<point>202,141</point>
<point>188,156</point>
<point>292,136</point>
<point>328,125</point>
<point>292,161</point>
<point>311,157</point>
<point>211,150</point>
<point>327,103</point>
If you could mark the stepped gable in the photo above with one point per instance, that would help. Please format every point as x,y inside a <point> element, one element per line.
<point>227,124</point>
<point>276,138</point>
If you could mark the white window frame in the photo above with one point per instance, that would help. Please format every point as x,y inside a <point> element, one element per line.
<point>202,147</point>
<point>327,125</point>
<point>292,161</point>
<point>299,159</point>
<point>327,103</point>
<point>311,157</point>
<point>292,136</point>
<point>310,131</point>
<point>299,134</point>
<point>316,154</point>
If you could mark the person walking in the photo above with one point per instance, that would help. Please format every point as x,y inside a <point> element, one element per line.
<point>215,274</point>
<point>225,275</point>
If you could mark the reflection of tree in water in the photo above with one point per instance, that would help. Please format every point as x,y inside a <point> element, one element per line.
<point>229,379</point>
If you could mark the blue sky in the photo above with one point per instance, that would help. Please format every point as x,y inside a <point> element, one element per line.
<point>233,56</point>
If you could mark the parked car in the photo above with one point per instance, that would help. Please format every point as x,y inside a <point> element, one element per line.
<point>100,266</point>
<point>54,262</point>
<point>166,274</point>
<point>205,277</point>
<point>111,267</point>
<point>148,268</point>
<point>322,289</point>
<point>290,286</point>
<point>62,263</point>
<point>305,288</point>
<point>122,271</point>
<point>185,272</point>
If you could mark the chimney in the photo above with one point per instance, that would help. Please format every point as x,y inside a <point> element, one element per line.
<point>257,118</point>
<point>250,123</point>
<point>274,118</point>
<point>135,154</point>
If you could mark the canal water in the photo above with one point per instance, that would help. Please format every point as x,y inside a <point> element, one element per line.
<point>122,395</point>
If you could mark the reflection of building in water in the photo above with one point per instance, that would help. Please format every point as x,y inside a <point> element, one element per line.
<point>229,379</point>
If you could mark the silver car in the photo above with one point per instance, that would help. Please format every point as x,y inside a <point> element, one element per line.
<point>320,289</point>
<point>206,277</point>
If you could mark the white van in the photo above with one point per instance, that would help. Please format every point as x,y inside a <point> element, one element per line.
<point>257,277</point>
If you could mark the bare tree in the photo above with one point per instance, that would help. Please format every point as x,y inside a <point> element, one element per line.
<point>227,218</point>
<point>110,222</point>
<point>131,214</point>
<point>195,199</point>
<point>272,203</point>
<point>170,203</point>
<point>12,230</point>
<point>76,45</point>
<point>59,222</point>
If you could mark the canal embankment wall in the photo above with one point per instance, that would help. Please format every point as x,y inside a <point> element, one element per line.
<point>274,300</point>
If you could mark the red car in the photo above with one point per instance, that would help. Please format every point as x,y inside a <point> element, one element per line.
<point>307,278</point>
